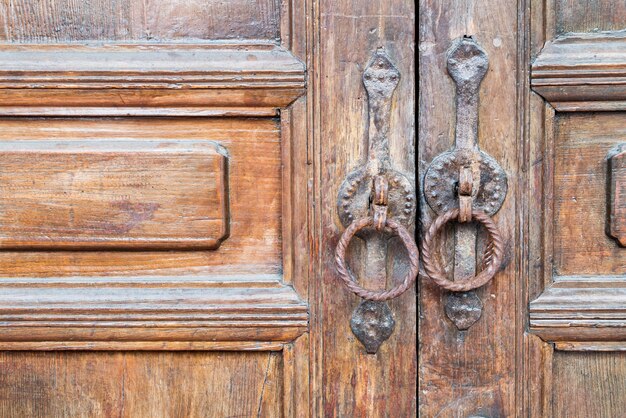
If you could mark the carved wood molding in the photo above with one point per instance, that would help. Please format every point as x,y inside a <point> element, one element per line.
<point>587,309</point>
<point>255,312</point>
<point>617,194</point>
<point>582,72</point>
<point>231,78</point>
<point>573,73</point>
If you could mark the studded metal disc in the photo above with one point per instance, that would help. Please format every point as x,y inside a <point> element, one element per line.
<point>442,179</point>
<point>355,193</point>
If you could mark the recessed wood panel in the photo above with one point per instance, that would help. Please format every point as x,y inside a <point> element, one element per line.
<point>43,21</point>
<point>590,15</point>
<point>254,242</point>
<point>112,194</point>
<point>588,384</point>
<point>581,243</point>
<point>140,384</point>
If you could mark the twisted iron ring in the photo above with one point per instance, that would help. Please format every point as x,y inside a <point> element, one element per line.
<point>346,275</point>
<point>496,256</point>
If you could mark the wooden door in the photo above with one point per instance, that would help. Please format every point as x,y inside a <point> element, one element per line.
<point>169,175</point>
<point>550,340</point>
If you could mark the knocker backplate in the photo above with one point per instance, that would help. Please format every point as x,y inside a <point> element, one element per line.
<point>356,191</point>
<point>442,179</point>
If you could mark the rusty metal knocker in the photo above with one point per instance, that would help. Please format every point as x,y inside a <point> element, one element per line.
<point>347,277</point>
<point>376,202</point>
<point>463,184</point>
<point>495,254</point>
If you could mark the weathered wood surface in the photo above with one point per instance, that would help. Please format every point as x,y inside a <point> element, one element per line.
<point>575,270</point>
<point>112,312</point>
<point>48,21</point>
<point>582,72</point>
<point>113,194</point>
<point>616,204</point>
<point>284,168</point>
<point>205,78</point>
<point>589,15</point>
<point>123,384</point>
<point>473,372</point>
<point>582,308</point>
<point>254,245</point>
<point>581,243</point>
<point>246,295</point>
<point>354,383</point>
<point>589,385</point>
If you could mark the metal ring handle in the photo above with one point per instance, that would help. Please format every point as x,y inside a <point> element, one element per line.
<point>438,275</point>
<point>348,279</point>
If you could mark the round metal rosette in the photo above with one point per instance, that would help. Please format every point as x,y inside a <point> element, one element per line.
<point>442,179</point>
<point>354,198</point>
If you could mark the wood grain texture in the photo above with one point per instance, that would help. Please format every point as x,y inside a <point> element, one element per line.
<point>582,72</point>
<point>220,75</point>
<point>474,372</point>
<point>56,21</point>
<point>253,308</point>
<point>589,15</point>
<point>255,175</point>
<point>616,160</point>
<point>589,385</point>
<point>123,384</point>
<point>581,308</point>
<point>590,346</point>
<point>113,194</point>
<point>282,196</point>
<point>300,244</point>
<point>354,383</point>
<point>581,244</point>
<point>576,274</point>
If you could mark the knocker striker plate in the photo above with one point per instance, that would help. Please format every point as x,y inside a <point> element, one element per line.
<point>372,323</point>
